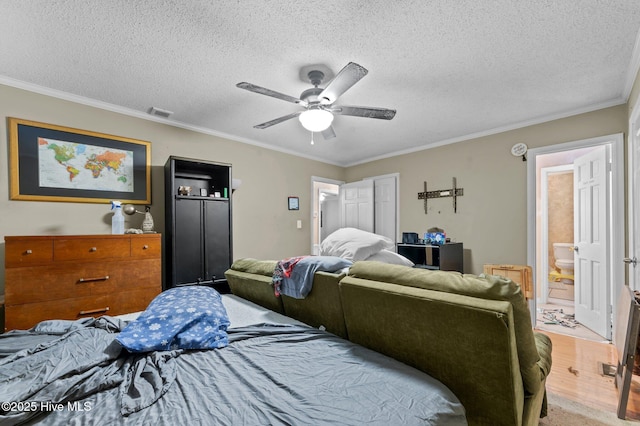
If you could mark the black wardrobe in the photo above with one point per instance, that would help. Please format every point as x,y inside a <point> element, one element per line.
<point>198,237</point>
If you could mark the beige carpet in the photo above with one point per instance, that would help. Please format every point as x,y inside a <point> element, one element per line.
<point>564,412</point>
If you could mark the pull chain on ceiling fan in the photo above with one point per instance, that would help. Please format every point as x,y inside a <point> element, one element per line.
<point>318,102</point>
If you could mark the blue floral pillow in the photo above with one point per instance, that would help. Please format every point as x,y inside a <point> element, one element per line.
<point>191,317</point>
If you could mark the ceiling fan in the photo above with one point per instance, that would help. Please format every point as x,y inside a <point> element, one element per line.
<point>319,102</point>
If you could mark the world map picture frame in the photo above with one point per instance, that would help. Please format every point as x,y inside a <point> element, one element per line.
<point>48,162</point>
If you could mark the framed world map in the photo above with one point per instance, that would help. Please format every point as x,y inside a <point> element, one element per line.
<point>55,163</point>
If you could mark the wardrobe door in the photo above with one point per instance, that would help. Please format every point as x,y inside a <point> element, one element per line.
<point>217,238</point>
<point>198,246</point>
<point>188,265</point>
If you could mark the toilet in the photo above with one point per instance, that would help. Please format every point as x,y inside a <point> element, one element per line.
<point>563,254</point>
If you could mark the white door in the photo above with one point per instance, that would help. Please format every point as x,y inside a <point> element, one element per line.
<point>634,201</point>
<point>385,207</point>
<point>591,241</point>
<point>356,205</point>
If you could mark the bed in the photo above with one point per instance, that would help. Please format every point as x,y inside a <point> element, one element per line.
<point>270,369</point>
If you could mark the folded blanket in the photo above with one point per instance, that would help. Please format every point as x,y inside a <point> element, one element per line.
<point>293,277</point>
<point>283,270</point>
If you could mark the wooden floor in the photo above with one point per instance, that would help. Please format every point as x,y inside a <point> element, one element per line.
<point>576,375</point>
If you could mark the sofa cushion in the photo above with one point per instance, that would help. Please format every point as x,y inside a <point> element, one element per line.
<point>254,266</point>
<point>485,287</point>
<point>257,288</point>
<point>467,343</point>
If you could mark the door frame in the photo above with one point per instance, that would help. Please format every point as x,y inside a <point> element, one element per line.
<point>617,274</point>
<point>315,208</point>
<point>315,202</point>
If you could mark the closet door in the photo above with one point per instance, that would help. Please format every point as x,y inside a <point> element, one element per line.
<point>188,241</point>
<point>385,202</point>
<point>356,205</point>
<point>217,239</point>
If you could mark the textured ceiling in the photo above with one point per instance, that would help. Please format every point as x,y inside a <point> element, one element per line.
<point>451,69</point>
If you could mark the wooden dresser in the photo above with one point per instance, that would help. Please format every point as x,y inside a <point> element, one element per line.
<point>74,276</point>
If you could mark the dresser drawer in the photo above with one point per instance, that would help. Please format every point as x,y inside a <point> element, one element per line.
<point>26,252</point>
<point>64,281</point>
<point>22,317</point>
<point>26,316</point>
<point>133,301</point>
<point>146,246</point>
<point>90,249</point>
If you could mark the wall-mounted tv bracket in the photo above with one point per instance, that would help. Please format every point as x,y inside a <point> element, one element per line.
<point>454,192</point>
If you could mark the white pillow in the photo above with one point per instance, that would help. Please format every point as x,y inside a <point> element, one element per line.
<point>354,244</point>
<point>388,256</point>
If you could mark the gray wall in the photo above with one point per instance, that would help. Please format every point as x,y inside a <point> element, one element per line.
<point>491,218</point>
<point>263,226</point>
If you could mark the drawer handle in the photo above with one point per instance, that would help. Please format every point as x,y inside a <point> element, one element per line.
<point>84,280</point>
<point>29,251</point>
<point>94,311</point>
<point>93,249</point>
<point>144,247</point>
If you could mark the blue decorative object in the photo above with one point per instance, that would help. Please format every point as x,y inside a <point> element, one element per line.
<point>191,317</point>
<point>434,238</point>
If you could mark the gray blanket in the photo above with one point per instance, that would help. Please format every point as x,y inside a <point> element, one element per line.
<point>76,373</point>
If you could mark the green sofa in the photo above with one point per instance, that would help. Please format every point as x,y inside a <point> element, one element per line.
<point>473,333</point>
<point>251,280</point>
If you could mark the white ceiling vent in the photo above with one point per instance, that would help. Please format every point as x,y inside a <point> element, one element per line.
<point>160,112</point>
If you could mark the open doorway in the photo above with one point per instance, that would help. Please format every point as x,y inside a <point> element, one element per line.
<point>370,204</point>
<point>325,213</point>
<point>566,278</point>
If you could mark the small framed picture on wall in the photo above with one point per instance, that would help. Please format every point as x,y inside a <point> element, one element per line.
<point>294,203</point>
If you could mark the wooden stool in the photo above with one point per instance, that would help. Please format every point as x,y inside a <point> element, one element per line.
<point>519,274</point>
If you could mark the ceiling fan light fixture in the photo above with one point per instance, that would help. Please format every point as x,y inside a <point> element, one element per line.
<point>316,120</point>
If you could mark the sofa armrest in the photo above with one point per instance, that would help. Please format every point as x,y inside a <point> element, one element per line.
<point>543,344</point>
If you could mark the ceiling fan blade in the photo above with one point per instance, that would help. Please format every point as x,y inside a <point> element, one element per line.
<point>368,112</point>
<point>329,133</point>
<point>268,92</point>
<point>277,120</point>
<point>347,77</point>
